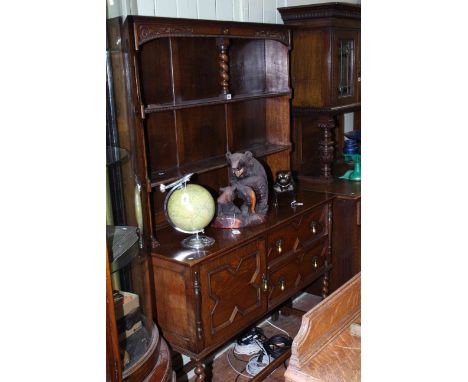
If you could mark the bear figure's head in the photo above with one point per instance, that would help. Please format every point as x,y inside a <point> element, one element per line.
<point>239,163</point>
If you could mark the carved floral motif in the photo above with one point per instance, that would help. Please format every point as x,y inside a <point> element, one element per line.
<point>148,32</point>
<point>275,35</point>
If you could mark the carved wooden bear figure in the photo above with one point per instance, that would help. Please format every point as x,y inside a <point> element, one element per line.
<point>246,175</point>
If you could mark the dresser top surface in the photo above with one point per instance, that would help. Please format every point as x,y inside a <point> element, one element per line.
<point>343,188</point>
<point>171,249</point>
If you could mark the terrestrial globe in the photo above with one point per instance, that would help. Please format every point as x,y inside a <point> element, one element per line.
<point>189,209</point>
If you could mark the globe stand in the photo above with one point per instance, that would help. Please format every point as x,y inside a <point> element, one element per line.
<point>198,241</point>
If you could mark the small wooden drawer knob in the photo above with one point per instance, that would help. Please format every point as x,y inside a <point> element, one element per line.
<point>282,285</point>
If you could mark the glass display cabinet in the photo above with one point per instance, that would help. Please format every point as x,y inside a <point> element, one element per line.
<point>135,349</point>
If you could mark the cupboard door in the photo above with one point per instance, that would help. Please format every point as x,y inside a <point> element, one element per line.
<point>345,67</point>
<point>232,295</point>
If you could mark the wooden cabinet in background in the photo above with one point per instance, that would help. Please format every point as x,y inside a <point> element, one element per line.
<point>326,75</point>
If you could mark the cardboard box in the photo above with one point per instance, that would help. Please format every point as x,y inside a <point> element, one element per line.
<point>130,302</point>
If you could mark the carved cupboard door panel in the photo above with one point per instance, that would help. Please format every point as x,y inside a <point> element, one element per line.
<point>232,295</point>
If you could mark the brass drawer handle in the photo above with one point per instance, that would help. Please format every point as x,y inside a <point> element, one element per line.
<point>313,227</point>
<point>282,285</point>
<point>315,260</point>
<point>279,245</point>
<point>264,283</point>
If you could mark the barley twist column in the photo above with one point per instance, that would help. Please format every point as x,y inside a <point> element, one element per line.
<point>223,62</point>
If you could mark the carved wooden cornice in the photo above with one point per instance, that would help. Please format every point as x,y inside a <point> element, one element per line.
<point>148,28</point>
<point>307,12</point>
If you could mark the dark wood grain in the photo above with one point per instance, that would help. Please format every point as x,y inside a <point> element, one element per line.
<point>248,124</point>
<point>201,133</point>
<point>195,68</point>
<point>309,76</point>
<point>162,153</point>
<point>276,58</point>
<point>247,68</point>
<point>155,66</point>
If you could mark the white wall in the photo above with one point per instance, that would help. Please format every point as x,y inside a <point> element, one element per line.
<point>261,11</point>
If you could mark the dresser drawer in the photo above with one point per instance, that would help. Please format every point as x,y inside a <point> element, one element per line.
<point>313,225</point>
<point>295,271</point>
<point>282,240</point>
<point>297,234</point>
<point>312,260</point>
<point>283,282</point>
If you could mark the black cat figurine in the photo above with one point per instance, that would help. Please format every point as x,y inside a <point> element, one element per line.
<point>284,184</point>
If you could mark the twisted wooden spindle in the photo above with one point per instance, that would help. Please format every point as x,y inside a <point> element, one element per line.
<point>223,62</point>
<point>325,285</point>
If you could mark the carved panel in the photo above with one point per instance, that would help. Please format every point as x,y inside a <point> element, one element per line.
<point>232,285</point>
<point>147,32</point>
<point>274,35</point>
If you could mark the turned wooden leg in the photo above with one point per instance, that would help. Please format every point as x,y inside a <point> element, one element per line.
<point>200,372</point>
<point>326,147</point>
<point>325,286</point>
